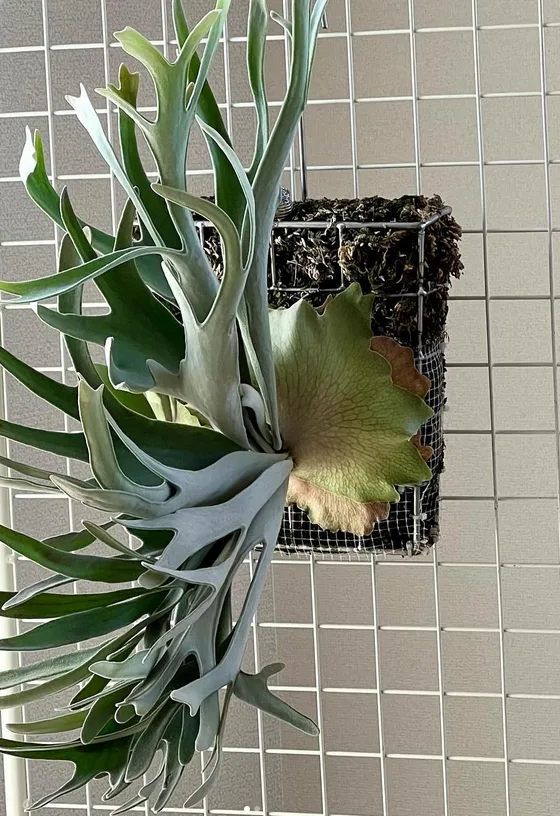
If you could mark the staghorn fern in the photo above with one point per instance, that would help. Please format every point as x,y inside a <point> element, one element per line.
<point>197,431</point>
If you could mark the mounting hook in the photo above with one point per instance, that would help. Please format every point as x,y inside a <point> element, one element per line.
<point>301,136</point>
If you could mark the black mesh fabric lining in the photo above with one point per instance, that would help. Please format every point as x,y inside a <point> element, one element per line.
<point>396,533</point>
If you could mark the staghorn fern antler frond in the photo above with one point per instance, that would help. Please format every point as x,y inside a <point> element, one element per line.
<point>196,431</point>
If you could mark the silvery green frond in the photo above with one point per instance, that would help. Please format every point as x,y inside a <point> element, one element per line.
<point>179,429</point>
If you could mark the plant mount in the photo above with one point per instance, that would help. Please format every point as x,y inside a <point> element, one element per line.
<point>196,431</point>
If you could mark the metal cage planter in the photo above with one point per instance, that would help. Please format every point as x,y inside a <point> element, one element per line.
<point>406,251</point>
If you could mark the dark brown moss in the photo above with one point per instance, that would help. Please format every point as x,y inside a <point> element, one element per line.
<point>311,262</point>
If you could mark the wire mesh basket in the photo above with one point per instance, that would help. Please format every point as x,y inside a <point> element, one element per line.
<point>407,256</point>
<point>410,306</point>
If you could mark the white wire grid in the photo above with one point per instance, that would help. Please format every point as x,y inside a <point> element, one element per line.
<point>333,796</point>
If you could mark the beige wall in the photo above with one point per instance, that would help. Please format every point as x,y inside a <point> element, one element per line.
<point>438,678</point>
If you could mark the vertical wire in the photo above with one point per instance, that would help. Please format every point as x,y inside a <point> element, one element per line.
<point>318,685</point>
<point>420,300</point>
<point>417,533</point>
<point>441,683</point>
<point>107,74</point>
<point>352,95</point>
<point>164,28</point>
<point>114,219</point>
<point>260,726</point>
<point>15,778</point>
<point>228,108</point>
<point>482,176</point>
<point>287,66</point>
<point>304,189</point>
<point>166,42</point>
<point>414,83</point>
<point>420,357</point>
<point>301,141</point>
<point>420,350</point>
<point>550,248</point>
<point>52,151</point>
<point>377,647</point>
<point>550,242</point>
<point>227,77</point>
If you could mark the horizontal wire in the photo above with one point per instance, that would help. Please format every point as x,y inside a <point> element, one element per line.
<point>388,692</point>
<point>401,563</point>
<point>323,35</point>
<point>102,112</point>
<point>444,497</point>
<point>321,168</point>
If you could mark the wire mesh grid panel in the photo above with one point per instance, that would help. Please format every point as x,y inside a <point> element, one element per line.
<point>435,679</point>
